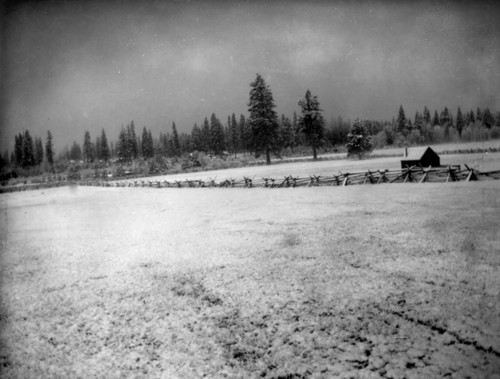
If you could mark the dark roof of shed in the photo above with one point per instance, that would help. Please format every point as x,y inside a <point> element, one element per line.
<point>416,153</point>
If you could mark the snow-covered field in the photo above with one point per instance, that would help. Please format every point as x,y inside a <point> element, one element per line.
<point>481,161</point>
<point>364,281</point>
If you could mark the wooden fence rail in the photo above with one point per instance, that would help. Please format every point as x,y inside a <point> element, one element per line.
<point>407,175</point>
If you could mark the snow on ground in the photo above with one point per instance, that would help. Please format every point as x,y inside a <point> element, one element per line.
<point>367,281</point>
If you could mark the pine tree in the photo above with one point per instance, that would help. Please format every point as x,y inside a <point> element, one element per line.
<point>133,145</point>
<point>38,151</point>
<point>390,133</point>
<point>97,149</point>
<point>170,145</point>
<point>488,120</point>
<point>358,140</point>
<point>409,126</point>
<point>150,147</point>
<point>311,122</point>
<point>18,149</point>
<point>185,142</point>
<point>472,117</point>
<point>164,145</point>
<point>466,118</point>
<point>124,151</point>
<point>88,150</point>
<point>234,133</point>
<point>419,122</point>
<point>295,125</point>
<point>196,138</point>
<point>427,115</point>
<point>435,119</point>
<point>263,119</point>
<point>147,144</point>
<point>245,135</point>
<point>460,123</point>
<point>49,149</point>
<point>444,117</point>
<point>479,114</point>
<point>151,143</point>
<point>402,122</point>
<point>4,160</point>
<point>205,136</point>
<point>104,147</point>
<point>175,141</point>
<point>217,145</point>
<point>228,138</point>
<point>28,156</point>
<point>75,152</point>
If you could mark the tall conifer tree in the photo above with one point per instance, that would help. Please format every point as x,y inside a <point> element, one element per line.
<point>245,135</point>
<point>196,138</point>
<point>435,119</point>
<point>49,149</point>
<point>472,116</point>
<point>123,149</point>
<point>427,115</point>
<point>487,118</point>
<point>38,151</point>
<point>206,136</point>
<point>263,119</point>
<point>105,153</point>
<point>147,144</point>
<point>217,144</point>
<point>460,122</point>
<point>88,150</point>
<point>28,156</point>
<point>311,122</point>
<point>175,141</point>
<point>133,145</point>
<point>401,122</point>
<point>18,149</point>
<point>235,137</point>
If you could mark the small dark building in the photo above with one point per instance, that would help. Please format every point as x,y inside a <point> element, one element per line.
<point>420,156</point>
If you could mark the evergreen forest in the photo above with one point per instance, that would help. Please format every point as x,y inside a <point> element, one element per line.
<point>222,141</point>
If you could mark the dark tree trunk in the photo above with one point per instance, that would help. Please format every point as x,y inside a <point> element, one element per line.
<point>268,156</point>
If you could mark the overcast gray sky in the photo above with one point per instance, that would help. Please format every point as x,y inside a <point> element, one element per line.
<point>70,66</point>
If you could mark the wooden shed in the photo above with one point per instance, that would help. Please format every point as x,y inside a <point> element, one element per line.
<point>420,156</point>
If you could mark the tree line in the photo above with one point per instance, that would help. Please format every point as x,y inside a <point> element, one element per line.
<point>29,152</point>
<point>262,133</point>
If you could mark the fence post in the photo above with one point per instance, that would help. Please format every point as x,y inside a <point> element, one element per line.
<point>472,175</point>
<point>408,176</point>
<point>368,176</point>
<point>424,176</point>
<point>346,179</point>
<point>451,174</point>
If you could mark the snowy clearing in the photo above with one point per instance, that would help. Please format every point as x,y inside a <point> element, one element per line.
<point>365,281</point>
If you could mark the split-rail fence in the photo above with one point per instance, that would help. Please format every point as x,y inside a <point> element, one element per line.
<point>407,175</point>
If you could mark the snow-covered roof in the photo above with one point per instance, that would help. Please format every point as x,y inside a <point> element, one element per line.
<point>415,153</point>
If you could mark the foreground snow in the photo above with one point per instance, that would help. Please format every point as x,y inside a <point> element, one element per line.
<point>365,281</point>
